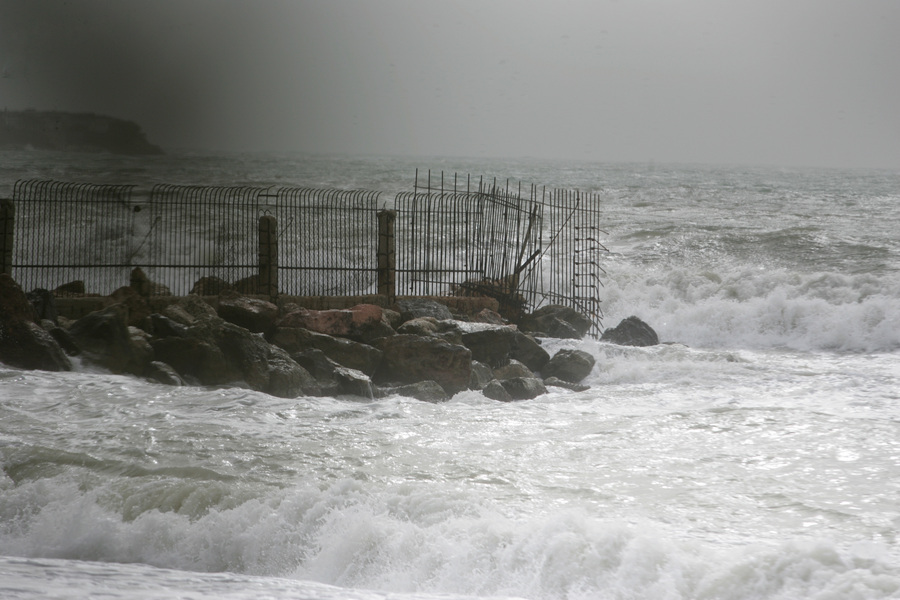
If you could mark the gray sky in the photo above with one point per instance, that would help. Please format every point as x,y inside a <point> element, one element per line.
<point>788,82</point>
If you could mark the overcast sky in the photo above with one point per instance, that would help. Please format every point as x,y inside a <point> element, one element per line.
<point>785,82</point>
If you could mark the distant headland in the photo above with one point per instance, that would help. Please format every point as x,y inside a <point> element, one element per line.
<point>81,132</point>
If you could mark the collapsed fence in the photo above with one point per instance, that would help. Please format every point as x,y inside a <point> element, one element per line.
<point>525,248</point>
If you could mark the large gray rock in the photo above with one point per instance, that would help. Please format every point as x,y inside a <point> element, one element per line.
<point>414,308</point>
<point>511,370</point>
<point>105,339</point>
<point>429,326</point>
<point>411,358</point>
<point>523,388</point>
<point>481,375</point>
<point>345,352</point>
<point>528,351</point>
<point>631,332</point>
<point>23,343</point>
<point>569,365</point>
<point>490,344</point>
<point>427,391</point>
<point>556,321</point>
<point>253,314</point>
<point>362,323</point>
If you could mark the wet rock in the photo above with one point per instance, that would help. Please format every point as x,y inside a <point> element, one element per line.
<point>489,344</point>
<point>191,310</point>
<point>160,372</point>
<point>569,365</point>
<point>362,323</point>
<point>198,361</point>
<point>575,387</point>
<point>426,391</point>
<point>412,358</point>
<point>354,383</point>
<point>414,308</point>
<point>495,391</point>
<point>348,353</point>
<point>429,326</point>
<point>481,375</point>
<point>25,344</point>
<point>526,349</point>
<point>631,332</point>
<point>556,321</point>
<point>253,314</point>
<point>44,304</point>
<point>524,388</point>
<point>161,326</point>
<point>105,339</point>
<point>511,370</point>
<point>137,306</point>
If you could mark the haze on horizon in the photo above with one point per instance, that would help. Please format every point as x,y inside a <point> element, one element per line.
<point>806,82</point>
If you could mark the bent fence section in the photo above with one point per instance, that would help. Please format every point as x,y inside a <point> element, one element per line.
<point>526,249</point>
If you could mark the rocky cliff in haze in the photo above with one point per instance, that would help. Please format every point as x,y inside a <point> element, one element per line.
<point>52,130</point>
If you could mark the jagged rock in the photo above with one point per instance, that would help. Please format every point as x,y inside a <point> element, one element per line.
<point>250,313</point>
<point>429,326</point>
<point>481,375</point>
<point>362,323</point>
<point>556,321</point>
<point>489,344</point>
<point>355,383</point>
<point>426,391</point>
<point>62,337</point>
<point>210,286</point>
<point>197,360</point>
<point>287,379</point>
<point>161,326</point>
<point>557,382</point>
<point>487,315</point>
<point>528,351</point>
<point>513,369</point>
<point>105,339</point>
<point>524,388</point>
<point>44,304</point>
<point>160,372</point>
<point>24,343</point>
<point>190,310</point>
<point>145,287</point>
<point>495,391</point>
<point>354,355</point>
<point>412,358</point>
<point>247,285</point>
<point>138,309</point>
<point>569,365</point>
<point>631,332</point>
<point>414,308</point>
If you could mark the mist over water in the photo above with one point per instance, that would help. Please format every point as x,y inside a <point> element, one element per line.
<point>753,455</point>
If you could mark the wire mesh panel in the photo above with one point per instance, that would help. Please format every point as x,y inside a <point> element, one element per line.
<point>327,242</point>
<point>74,232</point>
<point>200,231</point>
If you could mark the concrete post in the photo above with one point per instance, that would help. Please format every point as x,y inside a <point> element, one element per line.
<point>7,224</point>
<point>386,253</point>
<point>268,256</point>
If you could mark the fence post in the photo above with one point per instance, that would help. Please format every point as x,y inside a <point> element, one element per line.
<point>7,224</point>
<point>268,256</point>
<point>386,253</point>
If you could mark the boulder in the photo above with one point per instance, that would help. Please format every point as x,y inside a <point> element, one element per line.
<point>362,323</point>
<point>426,391</point>
<point>105,339</point>
<point>511,370</point>
<point>490,344</point>
<point>528,351</point>
<point>354,355</point>
<point>191,310</point>
<point>575,387</point>
<point>73,289</point>
<point>137,306</point>
<point>161,326</point>
<point>569,365</point>
<point>429,326</point>
<point>62,337</point>
<point>495,391</point>
<point>631,332</point>
<point>210,286</point>
<point>44,304</point>
<point>14,304</point>
<point>412,358</point>
<point>414,308</point>
<point>160,372</point>
<point>250,313</point>
<point>287,379</point>
<point>354,383</point>
<point>25,344</point>
<point>556,321</point>
<point>523,388</point>
<point>198,361</point>
<point>247,285</point>
<point>481,375</point>
<point>487,315</point>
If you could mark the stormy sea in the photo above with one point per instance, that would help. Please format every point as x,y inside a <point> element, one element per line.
<point>755,454</point>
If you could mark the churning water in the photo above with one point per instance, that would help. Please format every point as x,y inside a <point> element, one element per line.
<point>756,455</point>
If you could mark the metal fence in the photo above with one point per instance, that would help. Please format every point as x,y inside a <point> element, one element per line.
<point>525,247</point>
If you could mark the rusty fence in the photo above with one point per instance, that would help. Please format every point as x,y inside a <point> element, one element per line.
<point>526,247</point>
